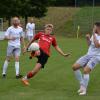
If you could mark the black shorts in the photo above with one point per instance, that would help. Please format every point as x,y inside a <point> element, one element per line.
<point>43,58</point>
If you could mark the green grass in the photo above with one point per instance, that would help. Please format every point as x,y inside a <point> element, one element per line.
<point>61,18</point>
<point>55,82</point>
<point>67,19</point>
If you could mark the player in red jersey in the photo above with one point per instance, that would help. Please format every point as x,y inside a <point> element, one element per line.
<point>46,39</point>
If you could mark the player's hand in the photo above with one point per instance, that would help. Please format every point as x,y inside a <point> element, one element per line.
<point>24,50</point>
<point>12,38</point>
<point>66,55</point>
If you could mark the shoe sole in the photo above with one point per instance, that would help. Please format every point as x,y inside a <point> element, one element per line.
<point>82,94</point>
<point>79,91</point>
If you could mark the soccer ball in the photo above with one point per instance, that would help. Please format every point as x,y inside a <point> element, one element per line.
<point>34,47</point>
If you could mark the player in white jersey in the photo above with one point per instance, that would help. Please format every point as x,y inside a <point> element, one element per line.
<point>14,35</point>
<point>30,30</point>
<point>88,61</point>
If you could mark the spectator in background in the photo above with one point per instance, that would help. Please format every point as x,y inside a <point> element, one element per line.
<point>30,29</point>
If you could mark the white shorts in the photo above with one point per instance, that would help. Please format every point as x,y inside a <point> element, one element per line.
<point>87,60</point>
<point>11,50</point>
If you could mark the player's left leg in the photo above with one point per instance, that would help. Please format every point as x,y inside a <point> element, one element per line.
<point>17,52</point>
<point>31,73</point>
<point>31,37</point>
<point>87,69</point>
<point>85,81</point>
<point>42,60</point>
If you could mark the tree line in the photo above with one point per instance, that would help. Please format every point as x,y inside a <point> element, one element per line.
<point>36,8</point>
<point>23,8</point>
<point>74,2</point>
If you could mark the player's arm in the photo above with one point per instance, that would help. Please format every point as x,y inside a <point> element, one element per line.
<point>34,29</point>
<point>96,42</point>
<point>9,38</point>
<point>22,41</point>
<point>58,49</point>
<point>22,38</point>
<point>26,32</point>
<point>36,37</point>
<point>27,46</point>
<point>88,39</point>
<point>30,43</point>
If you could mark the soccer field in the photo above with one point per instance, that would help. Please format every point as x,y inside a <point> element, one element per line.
<point>55,82</point>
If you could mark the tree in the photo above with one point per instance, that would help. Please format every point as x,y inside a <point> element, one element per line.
<point>24,8</point>
<point>36,8</point>
<point>62,2</point>
<point>9,8</point>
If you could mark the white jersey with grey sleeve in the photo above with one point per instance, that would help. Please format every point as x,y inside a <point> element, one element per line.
<point>92,49</point>
<point>92,58</point>
<point>17,33</point>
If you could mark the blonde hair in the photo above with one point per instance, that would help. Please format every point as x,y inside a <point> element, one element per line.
<point>49,25</point>
<point>15,18</point>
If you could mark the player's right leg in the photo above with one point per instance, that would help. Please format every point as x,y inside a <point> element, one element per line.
<point>9,53</point>
<point>76,68</point>
<point>16,54</point>
<point>29,38</point>
<point>31,73</point>
<point>5,66</point>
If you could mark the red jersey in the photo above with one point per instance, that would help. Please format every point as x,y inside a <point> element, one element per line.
<point>45,41</point>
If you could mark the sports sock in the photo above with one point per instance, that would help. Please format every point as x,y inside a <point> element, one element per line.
<point>85,80</point>
<point>78,75</point>
<point>17,68</point>
<point>29,75</point>
<point>5,66</point>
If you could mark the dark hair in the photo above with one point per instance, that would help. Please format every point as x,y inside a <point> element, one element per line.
<point>97,24</point>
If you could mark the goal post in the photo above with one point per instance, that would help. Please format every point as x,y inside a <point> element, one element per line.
<point>86,16</point>
<point>1,29</point>
<point>1,24</point>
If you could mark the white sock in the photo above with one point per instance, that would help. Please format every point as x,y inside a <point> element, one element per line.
<point>25,77</point>
<point>78,75</point>
<point>5,66</point>
<point>17,68</point>
<point>85,80</point>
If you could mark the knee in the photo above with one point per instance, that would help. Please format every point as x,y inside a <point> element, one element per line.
<point>7,59</point>
<point>75,67</point>
<point>87,70</point>
<point>17,59</point>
